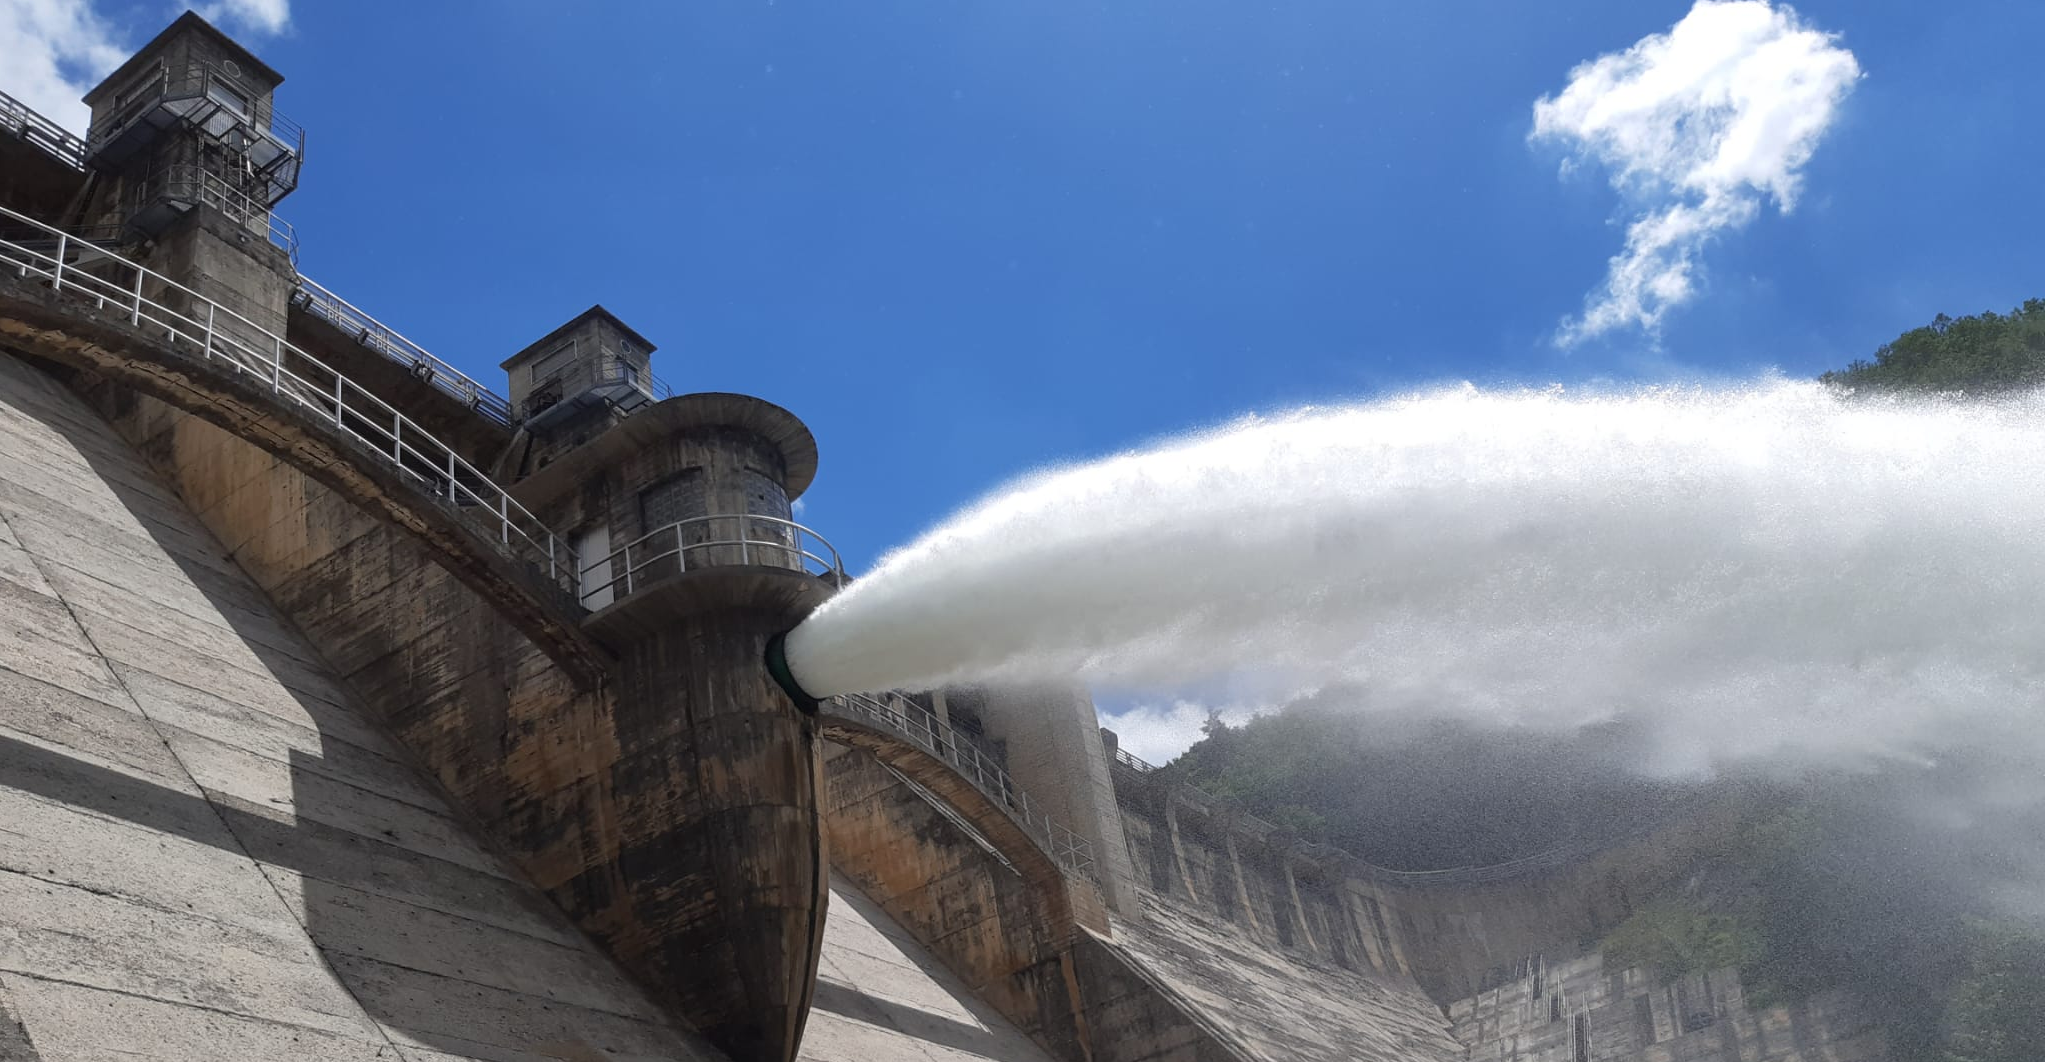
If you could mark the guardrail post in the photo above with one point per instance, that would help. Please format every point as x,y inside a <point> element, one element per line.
<point>277,364</point>
<point>397,444</point>
<point>208,348</point>
<point>135,318</point>
<point>57,275</point>
<point>452,498</point>
<point>340,402</point>
<point>744,555</point>
<point>504,516</point>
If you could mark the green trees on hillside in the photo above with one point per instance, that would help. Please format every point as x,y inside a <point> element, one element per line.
<point>1977,355</point>
<point>1998,1011</point>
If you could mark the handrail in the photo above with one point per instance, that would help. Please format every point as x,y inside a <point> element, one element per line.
<point>616,369</point>
<point>759,538</point>
<point>239,207</point>
<point>386,340</point>
<point>187,82</point>
<point>246,347</point>
<point>20,119</point>
<point>1066,848</point>
<point>1132,761</point>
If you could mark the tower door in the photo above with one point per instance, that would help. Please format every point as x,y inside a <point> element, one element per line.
<point>592,551</point>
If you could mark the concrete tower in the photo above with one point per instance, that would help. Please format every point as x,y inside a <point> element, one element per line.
<point>680,510</point>
<point>186,156</point>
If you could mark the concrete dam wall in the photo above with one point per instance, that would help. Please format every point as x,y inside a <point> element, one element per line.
<point>209,851</point>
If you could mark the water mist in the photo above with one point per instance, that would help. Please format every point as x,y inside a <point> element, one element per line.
<point>1755,572</point>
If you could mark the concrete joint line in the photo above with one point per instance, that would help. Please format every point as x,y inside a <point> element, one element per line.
<point>36,561</point>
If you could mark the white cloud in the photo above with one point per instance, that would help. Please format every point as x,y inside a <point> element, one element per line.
<point>57,50</point>
<point>1158,733</point>
<point>266,17</point>
<point>1698,127</point>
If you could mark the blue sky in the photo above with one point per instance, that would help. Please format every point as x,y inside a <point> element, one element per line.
<point>963,240</point>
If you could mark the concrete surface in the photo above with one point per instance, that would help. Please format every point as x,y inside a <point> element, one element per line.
<point>882,998</point>
<point>1282,1006</point>
<point>1581,1011</point>
<point>206,850</point>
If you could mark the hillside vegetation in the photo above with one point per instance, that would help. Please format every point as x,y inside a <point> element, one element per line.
<point>1974,355</point>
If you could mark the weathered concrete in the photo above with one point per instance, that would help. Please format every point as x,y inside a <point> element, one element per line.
<point>716,798</point>
<point>1067,896</point>
<point>46,324</point>
<point>1216,862</point>
<point>1582,1010</point>
<point>1051,735</point>
<point>882,997</point>
<point>207,850</point>
<point>653,443</point>
<point>1009,939</point>
<point>1451,932</point>
<point>715,792</point>
<point>1280,1006</point>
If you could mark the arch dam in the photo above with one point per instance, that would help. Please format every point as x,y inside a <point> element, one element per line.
<point>355,710</point>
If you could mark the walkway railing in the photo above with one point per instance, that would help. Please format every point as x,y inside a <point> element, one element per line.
<point>219,334</point>
<point>385,340</point>
<point>192,182</point>
<point>16,117</point>
<point>1132,761</point>
<point>709,541</point>
<point>891,712</point>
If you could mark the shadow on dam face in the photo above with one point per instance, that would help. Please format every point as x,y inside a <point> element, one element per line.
<point>223,838</point>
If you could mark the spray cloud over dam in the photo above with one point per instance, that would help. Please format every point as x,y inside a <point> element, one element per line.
<point>1759,573</point>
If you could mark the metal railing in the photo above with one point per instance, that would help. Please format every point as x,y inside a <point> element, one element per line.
<point>18,118</point>
<point>892,712</point>
<point>615,369</point>
<point>1133,762</point>
<point>385,340</point>
<point>77,269</point>
<point>205,186</point>
<point>741,538</point>
<point>195,81</point>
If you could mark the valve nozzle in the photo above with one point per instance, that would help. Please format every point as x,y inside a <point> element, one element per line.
<point>777,666</point>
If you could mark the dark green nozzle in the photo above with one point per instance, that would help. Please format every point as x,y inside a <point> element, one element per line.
<point>777,666</point>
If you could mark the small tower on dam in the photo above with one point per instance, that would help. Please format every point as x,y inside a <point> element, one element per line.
<point>576,381</point>
<point>679,509</point>
<point>187,155</point>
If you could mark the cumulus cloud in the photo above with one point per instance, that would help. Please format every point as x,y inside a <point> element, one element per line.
<point>268,17</point>
<point>1159,732</point>
<point>58,49</point>
<point>1698,127</point>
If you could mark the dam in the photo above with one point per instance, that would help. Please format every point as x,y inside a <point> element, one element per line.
<point>360,709</point>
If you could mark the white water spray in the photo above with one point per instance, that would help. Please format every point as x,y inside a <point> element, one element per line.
<point>1758,572</point>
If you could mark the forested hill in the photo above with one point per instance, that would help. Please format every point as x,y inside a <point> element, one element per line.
<point>1975,355</point>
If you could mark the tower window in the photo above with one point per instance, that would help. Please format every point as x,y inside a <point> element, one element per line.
<point>227,97</point>
<point>672,500</point>
<point>764,496</point>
